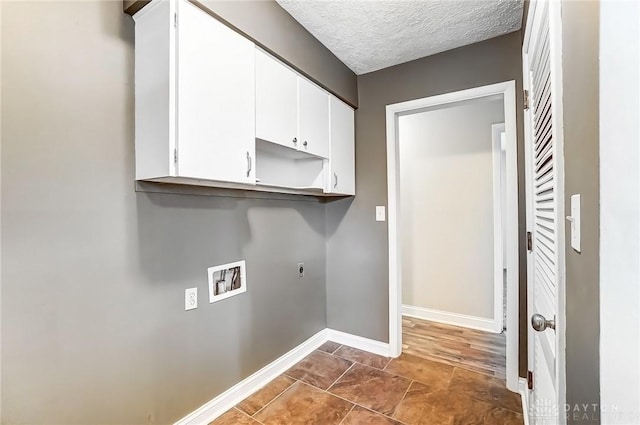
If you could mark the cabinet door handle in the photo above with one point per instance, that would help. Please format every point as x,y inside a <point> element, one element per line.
<point>305,144</point>
<point>336,178</point>
<point>295,140</point>
<point>249,165</point>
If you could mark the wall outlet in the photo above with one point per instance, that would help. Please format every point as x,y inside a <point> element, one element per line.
<point>300,269</point>
<point>190,298</point>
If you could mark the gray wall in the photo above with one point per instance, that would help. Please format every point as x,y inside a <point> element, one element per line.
<point>93,276</point>
<point>357,245</point>
<point>580,41</point>
<point>273,28</point>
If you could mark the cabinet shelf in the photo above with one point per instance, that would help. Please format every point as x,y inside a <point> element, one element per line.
<point>282,167</point>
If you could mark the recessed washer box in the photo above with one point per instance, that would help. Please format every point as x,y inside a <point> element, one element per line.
<point>227,280</point>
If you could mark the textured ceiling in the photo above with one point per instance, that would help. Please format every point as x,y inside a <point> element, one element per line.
<point>368,35</point>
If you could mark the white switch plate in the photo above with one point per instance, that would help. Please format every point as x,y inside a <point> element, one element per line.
<point>380,213</point>
<point>190,298</point>
<point>574,219</point>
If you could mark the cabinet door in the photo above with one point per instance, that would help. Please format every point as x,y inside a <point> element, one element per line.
<point>313,119</point>
<point>216,99</point>
<point>342,160</point>
<point>276,101</point>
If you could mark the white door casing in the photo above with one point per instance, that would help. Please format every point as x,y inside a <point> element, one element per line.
<point>542,70</point>
<point>393,111</point>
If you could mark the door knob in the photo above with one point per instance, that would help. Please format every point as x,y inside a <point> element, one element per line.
<point>539,323</point>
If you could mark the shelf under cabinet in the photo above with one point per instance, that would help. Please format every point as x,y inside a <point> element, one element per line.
<point>282,167</point>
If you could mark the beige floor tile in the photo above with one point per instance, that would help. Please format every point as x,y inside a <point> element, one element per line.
<point>368,359</point>
<point>304,404</point>
<point>423,405</point>
<point>360,416</point>
<point>263,396</point>
<point>485,388</point>
<point>372,388</point>
<point>234,417</point>
<point>329,347</point>
<point>434,374</point>
<point>319,369</point>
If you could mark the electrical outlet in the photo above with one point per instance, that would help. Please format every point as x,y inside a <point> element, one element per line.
<point>300,269</point>
<point>190,298</point>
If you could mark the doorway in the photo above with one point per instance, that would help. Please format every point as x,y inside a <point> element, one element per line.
<point>505,92</point>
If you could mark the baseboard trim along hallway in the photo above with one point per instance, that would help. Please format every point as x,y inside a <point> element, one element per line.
<point>473,322</point>
<point>243,389</point>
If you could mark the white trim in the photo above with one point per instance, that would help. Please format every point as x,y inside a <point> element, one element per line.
<point>365,344</point>
<point>498,252</point>
<point>457,319</point>
<point>243,389</point>
<point>523,389</point>
<point>555,29</point>
<point>507,89</point>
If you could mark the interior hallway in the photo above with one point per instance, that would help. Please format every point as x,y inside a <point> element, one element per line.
<point>436,381</point>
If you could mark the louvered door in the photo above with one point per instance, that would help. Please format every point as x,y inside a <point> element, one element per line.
<point>544,208</point>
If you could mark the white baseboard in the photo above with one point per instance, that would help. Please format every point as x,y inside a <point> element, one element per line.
<point>523,389</point>
<point>243,389</point>
<point>473,322</point>
<point>365,344</point>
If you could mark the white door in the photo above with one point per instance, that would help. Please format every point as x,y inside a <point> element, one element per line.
<point>216,99</point>
<point>276,101</point>
<point>545,221</point>
<point>341,177</point>
<point>313,119</point>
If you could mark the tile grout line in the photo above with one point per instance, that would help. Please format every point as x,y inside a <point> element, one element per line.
<point>348,413</point>
<point>274,399</point>
<point>402,399</point>
<point>340,377</point>
<point>361,406</point>
<point>243,413</point>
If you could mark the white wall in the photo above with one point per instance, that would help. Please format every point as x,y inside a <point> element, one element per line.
<point>446,189</point>
<point>619,212</point>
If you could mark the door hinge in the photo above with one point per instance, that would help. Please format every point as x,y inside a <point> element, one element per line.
<point>530,379</point>
<point>529,242</point>
<point>175,19</point>
<point>175,156</point>
<point>525,97</point>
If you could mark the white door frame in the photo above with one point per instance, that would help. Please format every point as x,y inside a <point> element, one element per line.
<point>507,89</point>
<point>498,245</point>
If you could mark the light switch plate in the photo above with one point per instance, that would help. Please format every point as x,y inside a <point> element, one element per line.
<point>190,298</point>
<point>380,213</point>
<point>574,219</point>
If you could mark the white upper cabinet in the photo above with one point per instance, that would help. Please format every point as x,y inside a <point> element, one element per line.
<point>313,119</point>
<point>341,178</point>
<point>276,101</point>
<point>216,98</point>
<point>212,109</point>
<point>195,97</point>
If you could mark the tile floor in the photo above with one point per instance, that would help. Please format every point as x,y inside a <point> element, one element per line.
<point>340,385</point>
